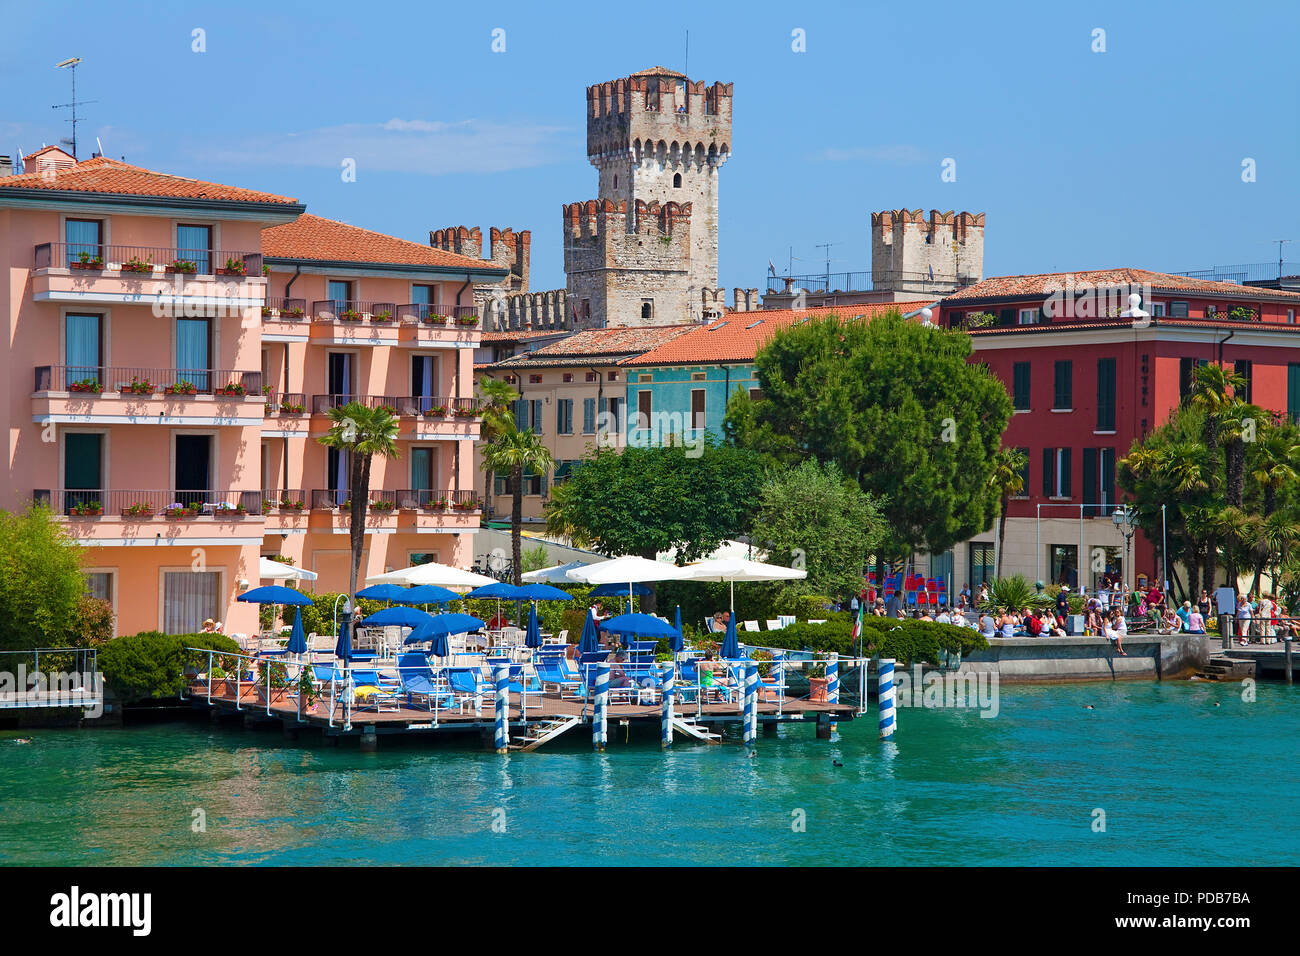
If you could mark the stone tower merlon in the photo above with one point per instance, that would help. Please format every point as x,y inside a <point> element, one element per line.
<point>915,254</point>
<point>458,239</point>
<point>511,250</point>
<point>657,105</point>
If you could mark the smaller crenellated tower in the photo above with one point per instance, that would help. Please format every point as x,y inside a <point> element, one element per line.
<point>915,255</point>
<point>509,250</point>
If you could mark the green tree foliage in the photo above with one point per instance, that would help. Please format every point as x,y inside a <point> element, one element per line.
<point>516,451</point>
<point>41,583</point>
<point>152,665</point>
<point>898,407</point>
<point>811,516</point>
<point>646,500</point>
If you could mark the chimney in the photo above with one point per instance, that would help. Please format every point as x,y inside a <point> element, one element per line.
<point>6,166</point>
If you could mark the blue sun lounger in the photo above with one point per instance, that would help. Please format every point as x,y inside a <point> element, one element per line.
<point>418,680</point>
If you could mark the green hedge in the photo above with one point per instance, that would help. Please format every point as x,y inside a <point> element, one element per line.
<point>152,664</point>
<point>905,640</point>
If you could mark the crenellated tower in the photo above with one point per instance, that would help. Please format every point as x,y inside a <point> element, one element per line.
<point>657,141</point>
<point>915,254</point>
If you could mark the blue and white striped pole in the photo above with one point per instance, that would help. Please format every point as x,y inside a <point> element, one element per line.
<point>666,720</point>
<point>598,717</point>
<point>751,704</point>
<point>833,678</point>
<point>502,708</point>
<point>885,698</point>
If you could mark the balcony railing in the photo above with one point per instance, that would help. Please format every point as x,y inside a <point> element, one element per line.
<point>285,309</point>
<point>354,311</point>
<point>340,499</point>
<point>150,504</point>
<point>285,501</point>
<point>142,260</point>
<point>145,382</point>
<point>424,406</point>
<point>286,403</point>
<point>437,314</point>
<point>431,499</point>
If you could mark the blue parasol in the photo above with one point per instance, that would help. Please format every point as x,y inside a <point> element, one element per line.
<point>440,625</point>
<point>343,647</point>
<point>677,642</point>
<point>542,592</point>
<point>429,594</point>
<point>297,640</point>
<point>533,637</point>
<point>498,589</point>
<point>731,643</point>
<point>590,642</point>
<point>620,590</point>
<point>638,625</point>
<point>386,592</point>
<point>275,594</point>
<point>397,616</point>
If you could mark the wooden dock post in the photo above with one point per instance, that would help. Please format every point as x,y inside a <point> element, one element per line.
<point>885,698</point>
<point>599,729</point>
<point>666,717</point>
<point>823,727</point>
<point>369,740</point>
<point>502,713</point>
<point>1287,639</point>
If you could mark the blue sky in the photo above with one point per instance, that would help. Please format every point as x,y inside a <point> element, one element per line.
<point>1080,159</point>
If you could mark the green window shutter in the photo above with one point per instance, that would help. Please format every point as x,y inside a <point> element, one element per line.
<point>1089,481</point>
<point>1066,469</point>
<point>1106,394</point>
<point>1108,479</point>
<point>1293,392</point>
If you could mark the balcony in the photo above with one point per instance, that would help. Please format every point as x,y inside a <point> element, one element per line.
<point>202,281</point>
<point>357,322</point>
<point>430,511</point>
<point>133,394</point>
<point>404,406</point>
<point>285,320</point>
<point>157,516</point>
<point>287,510</point>
<point>419,510</point>
<point>439,325</point>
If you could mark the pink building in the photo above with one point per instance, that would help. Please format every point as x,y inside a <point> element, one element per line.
<point>156,367</point>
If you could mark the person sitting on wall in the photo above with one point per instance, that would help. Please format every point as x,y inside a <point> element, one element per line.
<point>1115,635</point>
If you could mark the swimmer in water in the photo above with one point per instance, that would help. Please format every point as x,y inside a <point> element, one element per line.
<point>23,740</point>
<point>1089,707</point>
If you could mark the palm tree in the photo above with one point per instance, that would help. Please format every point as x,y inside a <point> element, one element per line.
<point>495,398</point>
<point>1008,480</point>
<point>515,451</point>
<point>1273,469</point>
<point>1212,392</point>
<point>361,433</point>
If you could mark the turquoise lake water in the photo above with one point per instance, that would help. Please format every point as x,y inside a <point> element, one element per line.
<point>1166,766</point>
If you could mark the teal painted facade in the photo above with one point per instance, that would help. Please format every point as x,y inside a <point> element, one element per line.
<point>672,399</point>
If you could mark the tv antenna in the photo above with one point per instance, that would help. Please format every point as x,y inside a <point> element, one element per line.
<point>827,247</point>
<point>71,64</point>
<point>1280,244</point>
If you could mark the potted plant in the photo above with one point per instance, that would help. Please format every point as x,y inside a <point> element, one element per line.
<point>175,511</point>
<point>436,319</point>
<point>183,266</point>
<point>266,270</point>
<point>136,264</point>
<point>382,506</point>
<point>306,693</point>
<point>435,411</point>
<point>291,504</point>
<point>293,312</point>
<point>382,316</point>
<point>293,408</point>
<point>85,260</point>
<point>182,387</point>
<point>140,386</point>
<point>467,321</point>
<point>234,267</point>
<point>267,311</point>
<point>817,683</point>
<point>226,508</point>
<point>466,411</point>
<point>137,509</point>
<point>86,385</point>
<point>231,390</point>
<point>87,509</point>
<point>349,315</point>
<point>272,682</point>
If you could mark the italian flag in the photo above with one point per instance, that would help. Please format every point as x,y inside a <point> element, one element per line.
<point>857,623</point>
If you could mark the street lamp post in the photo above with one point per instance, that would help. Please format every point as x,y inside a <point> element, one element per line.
<point>1125,519</point>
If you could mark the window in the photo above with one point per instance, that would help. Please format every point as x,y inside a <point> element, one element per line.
<point>83,347</point>
<point>1293,392</point>
<point>1020,385</point>
<point>194,244</point>
<point>1106,395</point>
<point>1028,316</point>
<point>755,394</point>
<point>677,180</point>
<point>1187,376</point>
<point>588,416</point>
<point>613,376</point>
<point>697,408</point>
<point>1063,561</point>
<point>1158,309</point>
<point>1056,472</point>
<point>422,469</point>
<point>699,376</point>
<point>647,308</point>
<point>425,298</point>
<point>1245,368</point>
<point>567,377</point>
<point>99,585</point>
<point>534,380</point>
<point>981,564</point>
<point>564,416</point>
<point>534,484</point>
<point>422,557</point>
<point>190,598</point>
<point>1064,393</point>
<point>1290,316</point>
<point>193,351</point>
<point>1178,310</point>
<point>340,293</point>
<point>644,407</point>
<point>593,377</point>
<point>1098,482</point>
<point>83,236</point>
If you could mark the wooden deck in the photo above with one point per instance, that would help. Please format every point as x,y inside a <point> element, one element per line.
<point>405,718</point>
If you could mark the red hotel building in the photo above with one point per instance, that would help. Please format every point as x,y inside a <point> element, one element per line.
<point>1088,380</point>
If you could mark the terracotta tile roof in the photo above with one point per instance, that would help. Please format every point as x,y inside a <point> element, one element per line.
<point>659,71</point>
<point>113,177</point>
<point>738,335</point>
<point>597,347</point>
<point>1043,285</point>
<point>521,335</point>
<point>325,240</point>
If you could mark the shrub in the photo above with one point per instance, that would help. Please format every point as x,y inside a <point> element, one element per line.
<point>92,622</point>
<point>1015,592</point>
<point>907,641</point>
<point>152,664</point>
<point>41,584</point>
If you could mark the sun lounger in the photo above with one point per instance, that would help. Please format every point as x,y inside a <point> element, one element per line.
<point>551,673</point>
<point>418,681</point>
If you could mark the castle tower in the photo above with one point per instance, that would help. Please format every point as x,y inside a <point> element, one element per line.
<point>657,141</point>
<point>914,255</point>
